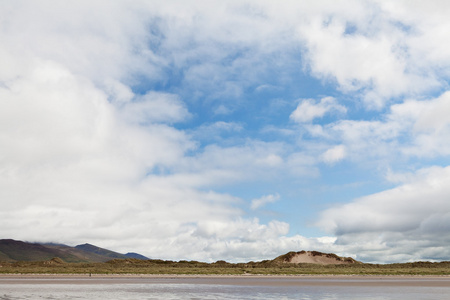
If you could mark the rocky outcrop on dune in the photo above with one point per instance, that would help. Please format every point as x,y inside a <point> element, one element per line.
<point>315,257</point>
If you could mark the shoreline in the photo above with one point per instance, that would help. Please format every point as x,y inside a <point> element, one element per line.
<point>237,280</point>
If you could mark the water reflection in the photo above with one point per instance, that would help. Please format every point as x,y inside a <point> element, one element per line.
<point>177,291</point>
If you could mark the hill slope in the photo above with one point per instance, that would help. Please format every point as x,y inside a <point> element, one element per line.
<point>136,255</point>
<point>12,250</point>
<point>80,254</point>
<point>108,254</point>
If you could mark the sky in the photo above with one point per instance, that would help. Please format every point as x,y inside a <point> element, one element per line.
<point>227,130</point>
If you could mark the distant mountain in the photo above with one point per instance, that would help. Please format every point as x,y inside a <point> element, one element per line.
<point>100,251</point>
<point>12,250</point>
<point>82,255</point>
<point>136,255</point>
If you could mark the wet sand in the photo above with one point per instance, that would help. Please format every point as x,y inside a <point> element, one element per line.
<point>239,280</point>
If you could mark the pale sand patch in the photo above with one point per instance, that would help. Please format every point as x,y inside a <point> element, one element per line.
<point>309,257</point>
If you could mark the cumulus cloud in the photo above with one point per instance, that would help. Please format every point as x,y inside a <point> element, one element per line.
<point>420,125</point>
<point>79,170</point>
<point>430,128</point>
<point>93,94</point>
<point>334,154</point>
<point>87,158</point>
<point>406,221</point>
<point>90,179</point>
<point>381,49</point>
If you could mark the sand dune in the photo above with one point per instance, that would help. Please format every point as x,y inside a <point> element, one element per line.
<point>314,257</point>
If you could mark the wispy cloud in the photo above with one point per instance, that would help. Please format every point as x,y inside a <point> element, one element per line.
<point>263,201</point>
<point>309,110</point>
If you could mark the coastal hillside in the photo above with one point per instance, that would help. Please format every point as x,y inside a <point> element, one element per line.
<point>315,257</point>
<point>17,257</point>
<point>12,250</point>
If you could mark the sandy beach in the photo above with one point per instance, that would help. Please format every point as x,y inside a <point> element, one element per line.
<point>242,280</point>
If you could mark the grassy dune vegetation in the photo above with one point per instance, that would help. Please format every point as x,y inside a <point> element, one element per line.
<point>135,266</point>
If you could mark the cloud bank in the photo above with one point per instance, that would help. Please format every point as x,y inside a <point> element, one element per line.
<point>406,223</point>
<point>135,126</point>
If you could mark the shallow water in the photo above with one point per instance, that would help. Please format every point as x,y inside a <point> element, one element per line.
<point>179,288</point>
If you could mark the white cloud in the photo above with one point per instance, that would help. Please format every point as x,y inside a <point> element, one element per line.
<point>85,159</point>
<point>253,161</point>
<point>215,131</point>
<point>79,149</point>
<point>155,107</point>
<point>408,220</point>
<point>309,110</point>
<point>97,40</point>
<point>383,49</point>
<point>364,139</point>
<point>334,154</point>
<point>264,200</point>
<point>416,129</point>
<point>301,164</point>
<point>222,110</point>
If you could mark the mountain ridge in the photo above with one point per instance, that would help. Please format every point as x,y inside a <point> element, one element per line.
<point>13,250</point>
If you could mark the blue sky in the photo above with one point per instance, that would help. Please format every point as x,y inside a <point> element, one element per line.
<point>236,130</point>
